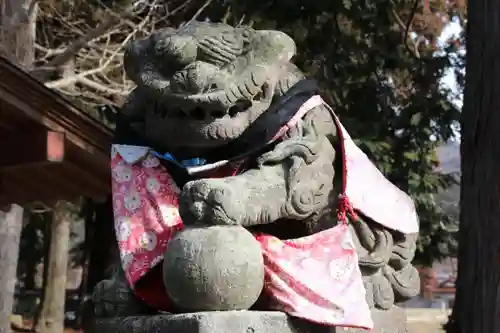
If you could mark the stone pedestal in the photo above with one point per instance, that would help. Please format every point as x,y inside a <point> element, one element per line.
<point>393,321</point>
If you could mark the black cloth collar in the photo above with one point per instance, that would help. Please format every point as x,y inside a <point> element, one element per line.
<point>258,135</point>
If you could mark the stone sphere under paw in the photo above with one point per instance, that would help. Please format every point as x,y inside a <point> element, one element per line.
<point>214,268</point>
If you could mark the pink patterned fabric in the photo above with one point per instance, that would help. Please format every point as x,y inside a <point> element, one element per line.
<point>146,217</point>
<point>317,278</point>
<point>145,211</point>
<point>371,193</point>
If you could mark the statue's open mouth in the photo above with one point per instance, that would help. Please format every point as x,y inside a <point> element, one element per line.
<point>208,115</point>
<point>199,129</point>
<point>199,114</point>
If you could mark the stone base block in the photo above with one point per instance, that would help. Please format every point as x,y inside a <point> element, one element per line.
<point>386,321</point>
<point>200,322</point>
<point>393,321</point>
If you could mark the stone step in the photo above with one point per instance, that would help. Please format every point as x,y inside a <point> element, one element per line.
<point>392,321</point>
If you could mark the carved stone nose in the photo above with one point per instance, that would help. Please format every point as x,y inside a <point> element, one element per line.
<point>181,48</point>
<point>196,78</point>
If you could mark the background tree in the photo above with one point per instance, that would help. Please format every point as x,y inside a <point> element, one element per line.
<point>477,304</point>
<point>17,37</point>
<point>10,231</point>
<point>51,317</point>
<point>379,63</point>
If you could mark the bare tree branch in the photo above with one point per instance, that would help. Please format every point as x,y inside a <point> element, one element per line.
<point>81,76</point>
<point>96,45</point>
<point>70,52</point>
<point>198,13</point>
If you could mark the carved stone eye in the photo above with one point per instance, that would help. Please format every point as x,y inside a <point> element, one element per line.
<point>229,38</point>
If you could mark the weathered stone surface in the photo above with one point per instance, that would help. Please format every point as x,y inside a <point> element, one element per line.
<point>198,88</point>
<point>386,321</point>
<point>202,322</point>
<point>393,321</point>
<point>213,268</point>
<point>113,297</point>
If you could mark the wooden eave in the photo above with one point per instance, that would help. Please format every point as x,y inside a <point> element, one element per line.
<point>50,150</point>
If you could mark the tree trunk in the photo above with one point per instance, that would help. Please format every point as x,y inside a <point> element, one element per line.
<point>52,314</point>
<point>18,31</point>
<point>17,38</point>
<point>477,304</point>
<point>11,224</point>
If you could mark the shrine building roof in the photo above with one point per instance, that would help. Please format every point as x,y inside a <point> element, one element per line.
<point>50,150</point>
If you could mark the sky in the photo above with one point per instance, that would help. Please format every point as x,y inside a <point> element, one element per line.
<point>449,154</point>
<point>453,29</point>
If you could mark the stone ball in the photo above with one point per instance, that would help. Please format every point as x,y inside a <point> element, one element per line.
<point>216,268</point>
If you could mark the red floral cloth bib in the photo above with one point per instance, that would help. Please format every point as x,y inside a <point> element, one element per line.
<point>315,278</point>
<point>145,209</point>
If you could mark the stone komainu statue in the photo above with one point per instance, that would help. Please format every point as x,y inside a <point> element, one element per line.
<point>216,91</point>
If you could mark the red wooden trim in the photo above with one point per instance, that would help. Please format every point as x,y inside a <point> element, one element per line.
<point>20,150</point>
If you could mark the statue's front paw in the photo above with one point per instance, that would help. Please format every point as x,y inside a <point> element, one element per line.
<point>210,201</point>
